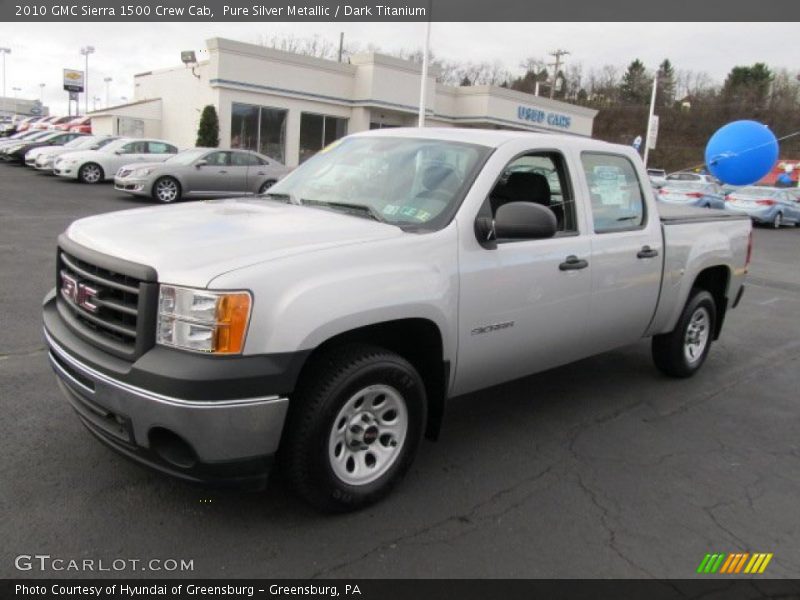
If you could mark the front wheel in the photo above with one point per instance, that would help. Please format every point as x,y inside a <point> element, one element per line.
<point>777,221</point>
<point>166,190</point>
<point>354,427</point>
<point>90,173</point>
<point>683,351</point>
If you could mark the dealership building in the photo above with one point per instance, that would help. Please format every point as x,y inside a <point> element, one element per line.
<point>289,106</point>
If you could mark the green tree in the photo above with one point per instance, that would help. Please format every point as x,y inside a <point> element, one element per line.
<point>665,93</point>
<point>208,131</point>
<point>635,87</point>
<point>748,85</point>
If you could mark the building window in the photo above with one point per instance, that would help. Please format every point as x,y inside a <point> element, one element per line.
<point>317,131</point>
<point>259,128</point>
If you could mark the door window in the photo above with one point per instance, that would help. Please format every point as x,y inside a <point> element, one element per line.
<point>615,191</point>
<point>161,148</point>
<point>245,159</point>
<point>540,178</point>
<point>135,148</point>
<point>218,159</point>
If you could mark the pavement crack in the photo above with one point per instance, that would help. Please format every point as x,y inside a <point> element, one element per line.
<point>23,353</point>
<point>470,519</point>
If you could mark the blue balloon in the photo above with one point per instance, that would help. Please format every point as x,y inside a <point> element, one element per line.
<point>742,152</point>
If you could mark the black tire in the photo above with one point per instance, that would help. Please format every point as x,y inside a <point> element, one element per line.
<point>669,349</point>
<point>329,386</point>
<point>164,184</point>
<point>266,185</point>
<point>86,173</point>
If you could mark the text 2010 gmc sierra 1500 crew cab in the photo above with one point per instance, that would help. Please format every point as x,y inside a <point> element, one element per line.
<point>328,322</point>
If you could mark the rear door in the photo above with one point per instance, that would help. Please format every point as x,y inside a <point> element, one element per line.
<point>238,174</point>
<point>626,251</point>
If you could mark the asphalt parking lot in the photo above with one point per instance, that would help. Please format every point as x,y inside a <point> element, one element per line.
<point>599,469</point>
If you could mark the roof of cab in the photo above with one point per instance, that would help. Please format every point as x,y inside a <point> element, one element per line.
<point>487,137</point>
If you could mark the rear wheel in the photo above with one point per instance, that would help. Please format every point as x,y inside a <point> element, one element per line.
<point>354,427</point>
<point>166,190</point>
<point>91,173</point>
<point>265,186</point>
<point>683,351</point>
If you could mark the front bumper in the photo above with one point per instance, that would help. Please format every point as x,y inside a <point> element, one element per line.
<point>66,171</point>
<point>228,440</point>
<point>132,186</point>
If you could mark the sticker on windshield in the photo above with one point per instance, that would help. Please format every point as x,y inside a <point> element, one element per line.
<point>390,209</point>
<point>330,146</point>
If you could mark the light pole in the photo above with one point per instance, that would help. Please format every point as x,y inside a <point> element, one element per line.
<point>108,80</point>
<point>86,51</point>
<point>4,51</point>
<point>15,90</point>
<point>95,100</point>
<point>41,93</point>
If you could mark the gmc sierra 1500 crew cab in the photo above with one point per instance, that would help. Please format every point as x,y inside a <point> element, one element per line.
<point>328,321</point>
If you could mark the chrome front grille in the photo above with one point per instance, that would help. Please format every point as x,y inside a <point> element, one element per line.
<point>108,308</point>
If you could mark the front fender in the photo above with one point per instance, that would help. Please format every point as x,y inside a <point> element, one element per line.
<point>301,301</point>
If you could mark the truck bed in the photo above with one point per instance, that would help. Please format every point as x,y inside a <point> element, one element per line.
<point>672,214</point>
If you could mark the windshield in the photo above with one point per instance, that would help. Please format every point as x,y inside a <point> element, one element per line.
<point>412,183</point>
<point>186,157</point>
<point>80,142</point>
<point>754,191</point>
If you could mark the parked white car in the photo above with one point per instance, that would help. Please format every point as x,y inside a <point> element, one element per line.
<point>45,157</point>
<point>93,166</point>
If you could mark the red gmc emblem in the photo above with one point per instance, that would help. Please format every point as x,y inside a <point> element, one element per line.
<point>77,292</point>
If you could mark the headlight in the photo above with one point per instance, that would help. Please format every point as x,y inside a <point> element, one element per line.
<point>142,172</point>
<point>201,320</point>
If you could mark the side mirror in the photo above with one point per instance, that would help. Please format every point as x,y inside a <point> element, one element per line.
<point>200,163</point>
<point>118,152</point>
<point>524,220</point>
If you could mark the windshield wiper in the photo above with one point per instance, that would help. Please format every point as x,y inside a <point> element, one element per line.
<point>283,196</point>
<point>353,209</point>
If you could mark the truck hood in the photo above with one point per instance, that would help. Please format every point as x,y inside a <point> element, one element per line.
<point>190,244</point>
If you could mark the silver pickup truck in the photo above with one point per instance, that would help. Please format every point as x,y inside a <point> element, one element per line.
<point>329,322</point>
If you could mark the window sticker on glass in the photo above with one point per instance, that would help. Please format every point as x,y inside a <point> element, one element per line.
<point>330,147</point>
<point>423,215</point>
<point>408,211</point>
<point>390,209</point>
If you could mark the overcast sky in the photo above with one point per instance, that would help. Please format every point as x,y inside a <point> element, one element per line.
<point>41,50</point>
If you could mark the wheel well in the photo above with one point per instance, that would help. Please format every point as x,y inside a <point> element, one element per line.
<point>715,281</point>
<point>419,341</point>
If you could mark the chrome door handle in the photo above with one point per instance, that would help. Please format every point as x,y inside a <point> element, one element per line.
<point>573,263</point>
<point>647,252</point>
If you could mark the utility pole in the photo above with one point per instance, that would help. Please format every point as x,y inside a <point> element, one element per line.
<point>108,80</point>
<point>341,45</point>
<point>650,119</point>
<point>86,51</point>
<point>557,54</point>
<point>423,87</point>
<point>4,51</point>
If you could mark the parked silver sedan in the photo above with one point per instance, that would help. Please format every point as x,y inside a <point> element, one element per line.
<point>201,173</point>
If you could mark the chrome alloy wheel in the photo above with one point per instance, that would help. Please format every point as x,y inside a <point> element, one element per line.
<point>166,190</point>
<point>91,173</point>
<point>368,434</point>
<point>696,338</point>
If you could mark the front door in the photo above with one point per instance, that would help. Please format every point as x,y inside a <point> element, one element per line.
<point>523,304</point>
